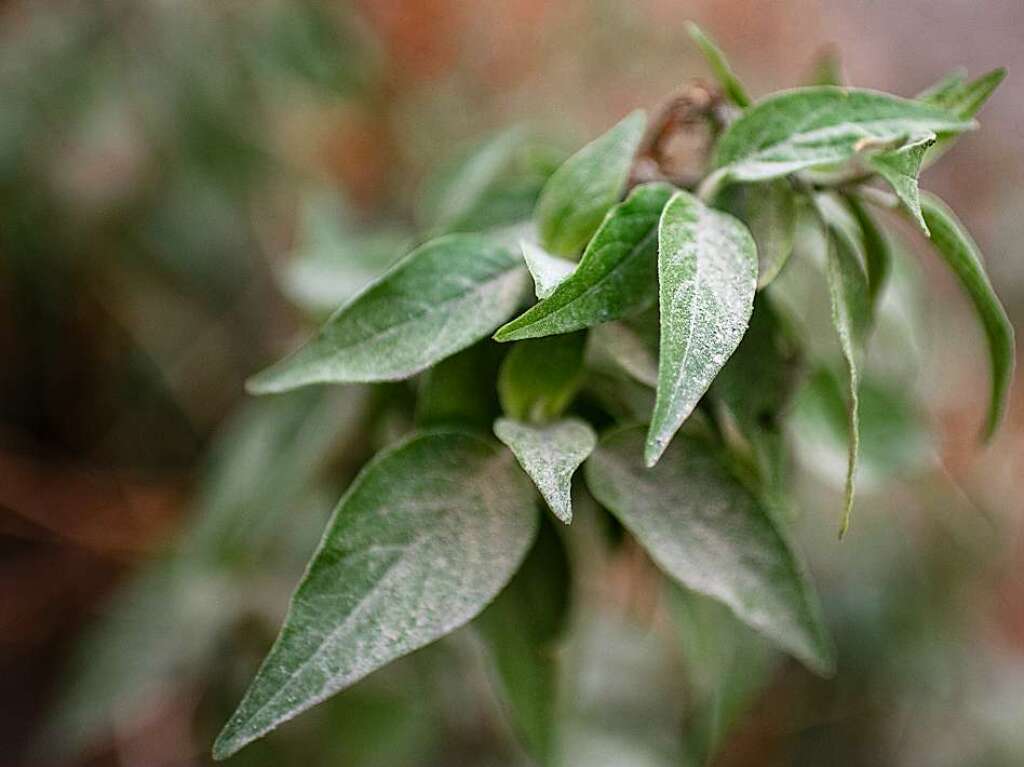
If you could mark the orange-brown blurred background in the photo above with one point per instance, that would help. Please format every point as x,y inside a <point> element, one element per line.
<point>154,158</point>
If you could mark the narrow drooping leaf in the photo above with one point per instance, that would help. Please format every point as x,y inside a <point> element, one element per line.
<point>878,256</point>
<point>439,299</point>
<point>576,198</point>
<point>900,168</point>
<point>851,316</point>
<point>521,629</point>
<point>550,454</point>
<point>425,538</point>
<point>808,127</point>
<point>958,250</point>
<point>720,66</point>
<point>707,274</point>
<point>615,277</point>
<point>708,532</point>
<point>548,271</point>
<point>539,377</point>
<point>769,210</point>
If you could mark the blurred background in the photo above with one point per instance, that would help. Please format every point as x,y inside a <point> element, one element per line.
<point>186,186</point>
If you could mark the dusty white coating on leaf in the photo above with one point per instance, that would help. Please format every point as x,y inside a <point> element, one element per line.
<point>707,273</point>
<point>550,454</point>
<point>438,300</point>
<point>424,539</point>
<point>548,271</point>
<point>707,531</point>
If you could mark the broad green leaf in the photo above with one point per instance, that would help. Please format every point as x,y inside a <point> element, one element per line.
<point>851,316</point>
<point>707,273</point>
<point>808,127</point>
<point>878,256</point>
<point>451,393</point>
<point>726,662</point>
<point>708,532</point>
<point>495,184</point>
<point>960,253</point>
<point>521,629</point>
<point>550,455</point>
<point>548,271</point>
<point>720,66</point>
<point>539,377</point>
<point>624,348</point>
<point>615,276</point>
<point>900,167</point>
<point>425,538</point>
<point>439,299</point>
<point>769,211</point>
<point>578,194</point>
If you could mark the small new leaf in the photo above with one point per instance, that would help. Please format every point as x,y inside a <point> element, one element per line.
<point>958,250</point>
<point>438,300</point>
<point>548,271</point>
<point>550,454</point>
<point>708,532</point>
<point>425,538</point>
<point>581,191</point>
<point>823,125</point>
<point>720,66</point>
<point>707,273</point>
<point>615,276</point>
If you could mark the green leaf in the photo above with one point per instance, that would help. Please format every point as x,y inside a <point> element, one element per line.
<point>827,68</point>
<point>439,299</point>
<point>539,378</point>
<point>707,271</point>
<point>521,629</point>
<point>577,196</point>
<point>964,99</point>
<point>878,255</point>
<point>720,66</point>
<point>615,276</point>
<point>427,535</point>
<point>451,393</point>
<point>935,93</point>
<point>900,167</point>
<point>497,183</point>
<point>548,271</point>
<point>960,253</point>
<point>769,210</point>
<point>851,316</point>
<point>809,127</point>
<point>549,454</point>
<point>707,531</point>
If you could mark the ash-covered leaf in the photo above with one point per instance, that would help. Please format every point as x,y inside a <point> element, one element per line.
<point>438,300</point>
<point>549,454</point>
<point>427,535</point>
<point>548,271</point>
<point>712,535</point>
<point>707,274</point>
<point>615,277</point>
